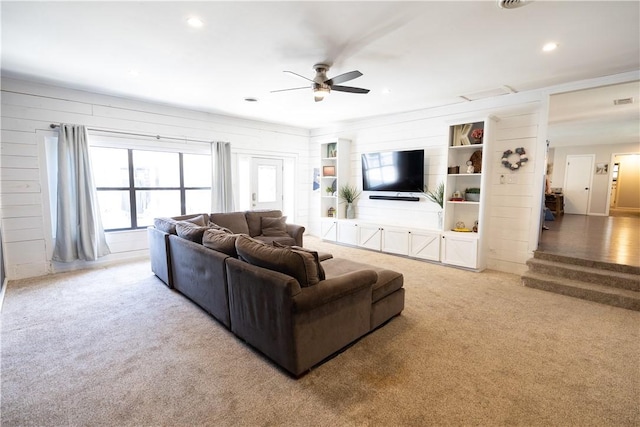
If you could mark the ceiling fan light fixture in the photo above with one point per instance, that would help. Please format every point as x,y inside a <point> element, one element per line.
<point>320,90</point>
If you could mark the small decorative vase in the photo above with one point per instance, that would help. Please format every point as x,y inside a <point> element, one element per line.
<point>351,211</point>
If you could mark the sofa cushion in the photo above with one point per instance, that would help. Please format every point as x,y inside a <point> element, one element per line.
<point>234,221</point>
<point>298,264</point>
<point>220,241</point>
<point>254,220</point>
<point>168,225</point>
<point>190,231</point>
<point>316,258</point>
<point>274,227</point>
<point>388,281</point>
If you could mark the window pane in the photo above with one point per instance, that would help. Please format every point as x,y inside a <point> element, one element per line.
<point>156,169</point>
<point>266,183</point>
<point>197,201</point>
<point>114,209</point>
<point>197,170</point>
<point>155,203</point>
<point>110,166</point>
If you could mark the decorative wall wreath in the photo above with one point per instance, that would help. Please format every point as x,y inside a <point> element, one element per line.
<point>514,166</point>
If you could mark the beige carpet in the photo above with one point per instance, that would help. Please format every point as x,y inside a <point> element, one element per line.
<point>116,347</point>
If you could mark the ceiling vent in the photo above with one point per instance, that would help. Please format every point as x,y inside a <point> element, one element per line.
<point>623,101</point>
<point>512,4</point>
<point>504,90</point>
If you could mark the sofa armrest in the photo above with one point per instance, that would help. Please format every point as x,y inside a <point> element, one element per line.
<point>333,289</point>
<point>159,255</point>
<point>296,231</point>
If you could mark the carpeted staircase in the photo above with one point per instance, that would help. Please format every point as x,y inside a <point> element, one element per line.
<point>606,283</point>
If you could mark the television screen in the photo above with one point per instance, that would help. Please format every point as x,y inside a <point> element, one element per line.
<point>400,171</point>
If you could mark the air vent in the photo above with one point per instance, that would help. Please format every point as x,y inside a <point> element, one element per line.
<point>623,101</point>
<point>504,90</point>
<point>512,4</point>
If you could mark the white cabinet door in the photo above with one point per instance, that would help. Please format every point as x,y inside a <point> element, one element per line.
<point>329,230</point>
<point>460,250</point>
<point>348,233</point>
<point>424,245</point>
<point>395,241</point>
<point>370,237</point>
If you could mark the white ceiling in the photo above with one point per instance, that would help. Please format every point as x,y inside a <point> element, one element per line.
<point>426,53</point>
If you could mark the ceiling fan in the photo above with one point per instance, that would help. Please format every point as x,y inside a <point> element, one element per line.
<point>322,86</point>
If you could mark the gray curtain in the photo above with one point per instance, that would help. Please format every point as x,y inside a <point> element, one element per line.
<point>222,194</point>
<point>79,232</point>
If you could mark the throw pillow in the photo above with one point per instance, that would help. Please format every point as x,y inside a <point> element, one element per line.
<point>168,225</point>
<point>215,226</point>
<point>298,264</point>
<point>220,241</point>
<point>254,222</point>
<point>316,258</point>
<point>274,227</point>
<point>190,231</point>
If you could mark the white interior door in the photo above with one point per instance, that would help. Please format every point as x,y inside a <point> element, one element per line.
<point>577,183</point>
<point>266,183</point>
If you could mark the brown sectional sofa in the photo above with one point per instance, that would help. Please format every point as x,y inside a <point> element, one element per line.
<point>297,319</point>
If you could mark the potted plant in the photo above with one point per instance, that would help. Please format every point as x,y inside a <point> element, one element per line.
<point>349,194</point>
<point>472,194</point>
<point>477,135</point>
<point>437,197</point>
<point>329,191</point>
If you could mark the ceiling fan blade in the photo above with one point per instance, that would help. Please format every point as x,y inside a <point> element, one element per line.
<point>349,89</point>
<point>293,88</point>
<point>298,75</point>
<point>343,77</point>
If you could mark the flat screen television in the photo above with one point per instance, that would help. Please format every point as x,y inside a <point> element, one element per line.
<point>399,171</point>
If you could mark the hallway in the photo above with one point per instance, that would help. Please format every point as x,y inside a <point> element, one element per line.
<point>599,238</point>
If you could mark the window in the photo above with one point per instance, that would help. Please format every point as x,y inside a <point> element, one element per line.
<point>135,186</point>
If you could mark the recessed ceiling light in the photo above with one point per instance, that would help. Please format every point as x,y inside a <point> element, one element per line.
<point>386,91</point>
<point>195,22</point>
<point>549,47</point>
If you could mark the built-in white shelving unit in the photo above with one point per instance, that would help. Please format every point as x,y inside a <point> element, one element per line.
<point>334,172</point>
<point>461,247</point>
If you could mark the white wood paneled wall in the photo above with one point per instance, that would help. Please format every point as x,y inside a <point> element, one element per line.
<point>28,109</point>
<point>513,208</point>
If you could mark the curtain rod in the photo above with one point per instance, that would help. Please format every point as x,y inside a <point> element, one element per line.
<point>53,126</point>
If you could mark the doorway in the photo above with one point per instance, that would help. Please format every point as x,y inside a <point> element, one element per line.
<point>587,121</point>
<point>260,183</point>
<point>577,179</point>
<point>625,185</point>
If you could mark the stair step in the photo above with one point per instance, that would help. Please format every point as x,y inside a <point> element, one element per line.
<point>586,274</point>
<point>589,291</point>
<point>609,266</point>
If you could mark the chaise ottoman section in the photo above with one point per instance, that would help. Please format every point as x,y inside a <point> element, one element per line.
<point>387,298</point>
